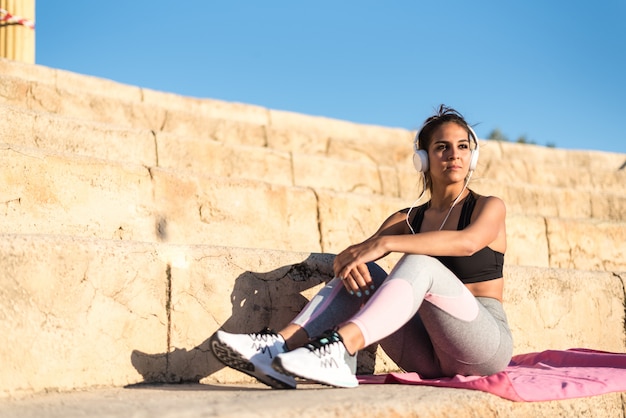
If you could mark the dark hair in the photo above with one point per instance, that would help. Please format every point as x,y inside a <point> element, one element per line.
<point>443,115</point>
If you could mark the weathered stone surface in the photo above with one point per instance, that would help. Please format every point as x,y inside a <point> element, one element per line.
<point>223,158</point>
<point>561,309</point>
<point>569,177</point>
<point>51,194</point>
<point>341,139</point>
<point>347,219</point>
<point>89,197</point>
<point>240,291</point>
<point>32,72</point>
<point>255,400</point>
<point>62,135</point>
<point>72,310</point>
<point>344,176</point>
<point>241,213</point>
<point>217,158</point>
<point>206,108</point>
<point>591,245</point>
<point>568,159</point>
<point>46,97</point>
<point>527,243</point>
<point>551,201</point>
<point>251,125</point>
<point>180,294</point>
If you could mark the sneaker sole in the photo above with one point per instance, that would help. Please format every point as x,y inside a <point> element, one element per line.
<point>232,358</point>
<point>278,366</point>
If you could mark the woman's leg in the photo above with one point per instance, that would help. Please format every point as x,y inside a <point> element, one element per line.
<point>480,347</point>
<point>452,333</point>
<point>446,346</point>
<point>254,353</point>
<point>412,350</point>
<point>329,308</point>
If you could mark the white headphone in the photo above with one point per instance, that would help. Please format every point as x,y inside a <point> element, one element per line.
<point>420,156</point>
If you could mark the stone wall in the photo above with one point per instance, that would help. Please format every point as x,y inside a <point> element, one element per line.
<point>135,223</point>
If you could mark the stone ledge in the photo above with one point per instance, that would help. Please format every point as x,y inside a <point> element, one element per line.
<point>81,313</point>
<point>49,193</point>
<point>233,152</point>
<point>247,401</point>
<point>90,98</point>
<point>52,133</point>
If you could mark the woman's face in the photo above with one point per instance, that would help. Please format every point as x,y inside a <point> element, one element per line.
<point>449,151</point>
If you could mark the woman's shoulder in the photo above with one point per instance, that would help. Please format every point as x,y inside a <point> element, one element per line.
<point>395,224</point>
<point>489,202</point>
<point>485,198</point>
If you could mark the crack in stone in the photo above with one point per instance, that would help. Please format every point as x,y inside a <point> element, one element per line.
<point>165,119</point>
<point>546,229</point>
<point>8,203</point>
<point>292,169</point>
<point>26,154</point>
<point>621,281</point>
<point>168,312</point>
<point>156,149</point>
<point>319,219</point>
<point>355,187</point>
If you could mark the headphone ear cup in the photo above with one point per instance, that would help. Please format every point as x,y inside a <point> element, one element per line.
<point>473,160</point>
<point>420,160</point>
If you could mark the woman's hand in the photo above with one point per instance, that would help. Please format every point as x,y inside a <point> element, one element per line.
<point>350,265</point>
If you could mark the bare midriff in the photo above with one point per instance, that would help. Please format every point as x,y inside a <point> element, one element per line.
<point>489,289</point>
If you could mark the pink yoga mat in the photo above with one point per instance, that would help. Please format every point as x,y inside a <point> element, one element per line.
<point>545,376</point>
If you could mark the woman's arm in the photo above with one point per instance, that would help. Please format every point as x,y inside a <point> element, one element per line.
<point>358,278</point>
<point>486,225</point>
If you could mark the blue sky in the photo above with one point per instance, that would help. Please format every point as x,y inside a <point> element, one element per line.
<point>552,71</point>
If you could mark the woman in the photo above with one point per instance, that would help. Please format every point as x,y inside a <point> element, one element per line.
<point>438,313</point>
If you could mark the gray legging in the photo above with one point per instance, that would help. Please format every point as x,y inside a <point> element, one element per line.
<point>424,318</point>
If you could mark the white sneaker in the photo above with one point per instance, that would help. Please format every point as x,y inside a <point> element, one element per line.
<point>324,360</point>
<point>253,354</point>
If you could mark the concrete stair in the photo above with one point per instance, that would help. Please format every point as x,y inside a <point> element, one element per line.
<point>136,223</point>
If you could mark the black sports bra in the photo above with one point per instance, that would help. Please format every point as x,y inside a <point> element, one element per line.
<point>483,265</point>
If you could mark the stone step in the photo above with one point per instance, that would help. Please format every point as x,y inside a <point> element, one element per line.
<point>84,312</point>
<point>89,98</point>
<point>47,85</point>
<point>572,177</point>
<point>552,201</point>
<point>79,85</point>
<point>60,134</point>
<point>204,119</point>
<point>602,189</point>
<point>312,401</point>
<point>65,194</point>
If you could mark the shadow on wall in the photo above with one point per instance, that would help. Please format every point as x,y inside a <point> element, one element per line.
<point>258,299</point>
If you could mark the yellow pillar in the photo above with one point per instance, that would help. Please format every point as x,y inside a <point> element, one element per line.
<point>17,42</point>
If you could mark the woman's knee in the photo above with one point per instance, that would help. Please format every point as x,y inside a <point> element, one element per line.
<point>412,266</point>
<point>420,260</point>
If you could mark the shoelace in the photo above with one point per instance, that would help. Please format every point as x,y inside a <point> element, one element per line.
<point>264,335</point>
<point>323,343</point>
